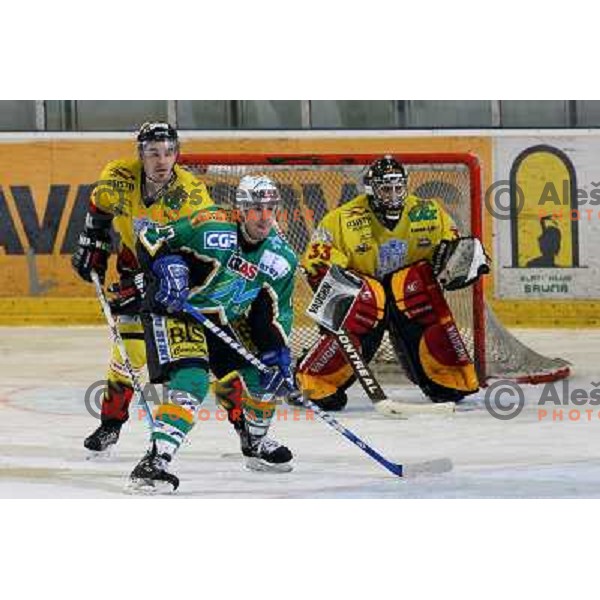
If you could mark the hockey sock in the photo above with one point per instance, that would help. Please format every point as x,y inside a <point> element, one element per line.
<point>115,401</point>
<point>258,409</point>
<point>258,415</point>
<point>230,392</point>
<point>174,420</point>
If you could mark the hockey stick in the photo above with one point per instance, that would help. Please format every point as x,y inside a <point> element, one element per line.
<point>361,369</point>
<point>116,336</point>
<point>428,467</point>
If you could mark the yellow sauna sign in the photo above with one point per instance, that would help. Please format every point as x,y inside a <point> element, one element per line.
<point>543,199</point>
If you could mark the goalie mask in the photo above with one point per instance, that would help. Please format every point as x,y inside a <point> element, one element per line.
<point>386,185</point>
<point>257,199</point>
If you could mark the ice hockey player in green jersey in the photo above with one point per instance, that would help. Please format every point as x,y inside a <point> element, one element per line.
<point>229,265</point>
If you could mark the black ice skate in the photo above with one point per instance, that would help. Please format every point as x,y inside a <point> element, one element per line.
<point>262,453</point>
<point>266,454</point>
<point>151,475</point>
<point>104,437</point>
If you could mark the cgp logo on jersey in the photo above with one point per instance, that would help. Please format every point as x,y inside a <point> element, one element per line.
<point>220,240</point>
<point>391,257</point>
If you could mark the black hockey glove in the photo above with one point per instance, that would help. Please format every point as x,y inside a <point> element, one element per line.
<point>94,245</point>
<point>128,294</point>
<point>92,254</point>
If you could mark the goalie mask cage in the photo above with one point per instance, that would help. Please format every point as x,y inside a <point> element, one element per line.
<point>311,185</point>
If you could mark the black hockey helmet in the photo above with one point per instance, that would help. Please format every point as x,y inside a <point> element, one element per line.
<point>386,185</point>
<point>157,131</point>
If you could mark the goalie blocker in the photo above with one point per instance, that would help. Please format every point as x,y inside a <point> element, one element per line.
<point>409,303</point>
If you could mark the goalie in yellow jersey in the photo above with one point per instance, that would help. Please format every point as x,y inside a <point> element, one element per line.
<point>405,250</point>
<point>129,194</point>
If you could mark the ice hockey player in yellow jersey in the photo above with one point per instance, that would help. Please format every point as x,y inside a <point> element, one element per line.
<point>129,194</point>
<point>403,247</point>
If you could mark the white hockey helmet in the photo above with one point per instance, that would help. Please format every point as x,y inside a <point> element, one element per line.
<point>256,191</point>
<point>257,199</point>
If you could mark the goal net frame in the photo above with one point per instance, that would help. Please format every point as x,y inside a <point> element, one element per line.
<point>204,162</point>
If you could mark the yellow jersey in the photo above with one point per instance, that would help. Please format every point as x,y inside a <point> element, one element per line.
<point>119,193</point>
<point>352,237</point>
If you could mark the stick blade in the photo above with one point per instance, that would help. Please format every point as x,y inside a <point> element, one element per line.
<point>428,467</point>
<point>395,409</point>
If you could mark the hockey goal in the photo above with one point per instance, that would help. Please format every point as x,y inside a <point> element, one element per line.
<point>311,185</point>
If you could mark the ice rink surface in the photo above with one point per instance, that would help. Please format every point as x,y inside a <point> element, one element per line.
<point>43,421</point>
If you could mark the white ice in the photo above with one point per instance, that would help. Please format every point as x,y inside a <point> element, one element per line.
<point>43,420</point>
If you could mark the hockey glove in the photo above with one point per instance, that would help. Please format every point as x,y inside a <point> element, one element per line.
<point>173,275</point>
<point>93,245</point>
<point>459,263</point>
<point>280,361</point>
<point>128,294</point>
<point>315,275</point>
<point>92,254</point>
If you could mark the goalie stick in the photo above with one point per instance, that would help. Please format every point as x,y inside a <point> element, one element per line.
<point>440,465</point>
<point>116,336</point>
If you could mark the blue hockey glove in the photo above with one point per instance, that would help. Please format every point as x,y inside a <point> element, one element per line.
<point>281,373</point>
<point>173,274</point>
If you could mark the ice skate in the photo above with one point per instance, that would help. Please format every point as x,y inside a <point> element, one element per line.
<point>265,454</point>
<point>151,475</point>
<point>103,438</point>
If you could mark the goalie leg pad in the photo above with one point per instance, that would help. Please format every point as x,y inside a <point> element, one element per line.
<point>323,370</point>
<point>423,327</point>
<point>368,308</point>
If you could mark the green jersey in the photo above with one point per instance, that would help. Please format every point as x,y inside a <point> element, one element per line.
<point>228,276</point>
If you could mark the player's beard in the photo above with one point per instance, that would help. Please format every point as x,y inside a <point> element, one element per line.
<point>154,187</point>
<point>260,232</point>
<point>160,177</point>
